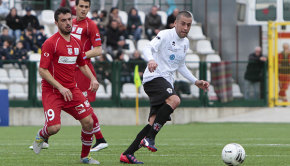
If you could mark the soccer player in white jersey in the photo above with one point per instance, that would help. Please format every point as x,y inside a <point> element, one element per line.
<point>165,55</point>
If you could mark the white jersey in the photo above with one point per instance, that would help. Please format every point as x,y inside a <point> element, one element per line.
<point>168,50</point>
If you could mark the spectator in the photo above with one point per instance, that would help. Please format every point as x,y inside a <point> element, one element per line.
<point>254,74</point>
<point>114,15</point>
<point>29,40</point>
<point>134,26</point>
<point>137,60</point>
<point>40,37</point>
<point>71,4</point>
<point>20,54</point>
<point>14,23</point>
<point>171,18</point>
<point>5,36</point>
<point>30,20</point>
<point>95,16</point>
<point>102,22</point>
<point>4,10</point>
<point>5,52</point>
<point>115,39</point>
<point>103,70</point>
<point>125,70</point>
<point>153,23</point>
<point>284,74</point>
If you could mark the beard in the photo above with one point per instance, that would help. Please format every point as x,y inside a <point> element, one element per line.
<point>64,31</point>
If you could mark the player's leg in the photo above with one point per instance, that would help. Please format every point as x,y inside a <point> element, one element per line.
<point>52,108</point>
<point>128,155</point>
<point>100,140</point>
<point>81,110</point>
<point>161,92</point>
<point>161,117</point>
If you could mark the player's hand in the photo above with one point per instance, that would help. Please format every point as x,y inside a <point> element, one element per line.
<point>66,94</point>
<point>202,85</point>
<point>94,86</point>
<point>152,65</point>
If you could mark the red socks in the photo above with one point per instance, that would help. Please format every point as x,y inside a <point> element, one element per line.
<point>87,140</point>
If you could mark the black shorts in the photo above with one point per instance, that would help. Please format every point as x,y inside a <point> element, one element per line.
<point>158,91</point>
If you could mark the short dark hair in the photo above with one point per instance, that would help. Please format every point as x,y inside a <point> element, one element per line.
<point>61,10</point>
<point>184,13</point>
<point>78,1</point>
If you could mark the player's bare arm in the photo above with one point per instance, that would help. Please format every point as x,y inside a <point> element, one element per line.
<point>94,86</point>
<point>152,65</point>
<point>96,51</point>
<point>202,84</point>
<point>45,74</point>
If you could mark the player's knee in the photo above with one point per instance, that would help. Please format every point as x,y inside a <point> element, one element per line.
<point>87,124</point>
<point>173,101</point>
<point>53,129</point>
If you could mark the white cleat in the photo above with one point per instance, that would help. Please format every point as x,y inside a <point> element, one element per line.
<point>38,143</point>
<point>89,160</point>
<point>99,147</point>
<point>44,146</point>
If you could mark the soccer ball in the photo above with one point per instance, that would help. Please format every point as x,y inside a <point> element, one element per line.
<point>233,154</point>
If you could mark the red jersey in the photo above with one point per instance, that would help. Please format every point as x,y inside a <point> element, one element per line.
<point>87,31</point>
<point>60,57</point>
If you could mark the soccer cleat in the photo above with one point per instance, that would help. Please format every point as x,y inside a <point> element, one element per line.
<point>38,143</point>
<point>44,146</point>
<point>99,146</point>
<point>149,144</point>
<point>129,159</point>
<point>89,160</point>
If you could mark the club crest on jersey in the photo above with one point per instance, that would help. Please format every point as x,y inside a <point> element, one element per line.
<point>79,30</point>
<point>169,90</point>
<point>69,51</point>
<point>172,57</point>
<point>76,51</point>
<point>73,28</point>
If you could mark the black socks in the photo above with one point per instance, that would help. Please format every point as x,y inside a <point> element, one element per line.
<point>135,144</point>
<point>161,118</point>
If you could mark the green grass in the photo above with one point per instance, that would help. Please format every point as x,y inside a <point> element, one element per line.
<point>197,144</point>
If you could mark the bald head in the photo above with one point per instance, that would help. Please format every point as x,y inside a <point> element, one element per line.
<point>285,46</point>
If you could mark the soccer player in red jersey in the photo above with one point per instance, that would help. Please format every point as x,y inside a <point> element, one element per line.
<point>61,53</point>
<point>87,31</point>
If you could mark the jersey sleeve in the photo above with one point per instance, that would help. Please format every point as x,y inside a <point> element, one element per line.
<point>47,52</point>
<point>94,34</point>
<point>156,42</point>
<point>80,59</point>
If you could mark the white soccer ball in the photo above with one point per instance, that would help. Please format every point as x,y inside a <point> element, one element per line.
<point>233,154</point>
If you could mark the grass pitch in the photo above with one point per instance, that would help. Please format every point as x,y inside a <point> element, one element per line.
<point>197,144</point>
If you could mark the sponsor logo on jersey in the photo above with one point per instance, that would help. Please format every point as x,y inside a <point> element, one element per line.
<point>172,57</point>
<point>87,103</point>
<point>69,51</point>
<point>169,90</point>
<point>79,30</point>
<point>173,43</point>
<point>80,108</point>
<point>46,54</point>
<point>76,51</point>
<point>67,59</point>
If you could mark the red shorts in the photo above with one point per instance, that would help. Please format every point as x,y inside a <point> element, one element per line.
<point>53,103</point>
<point>83,83</point>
